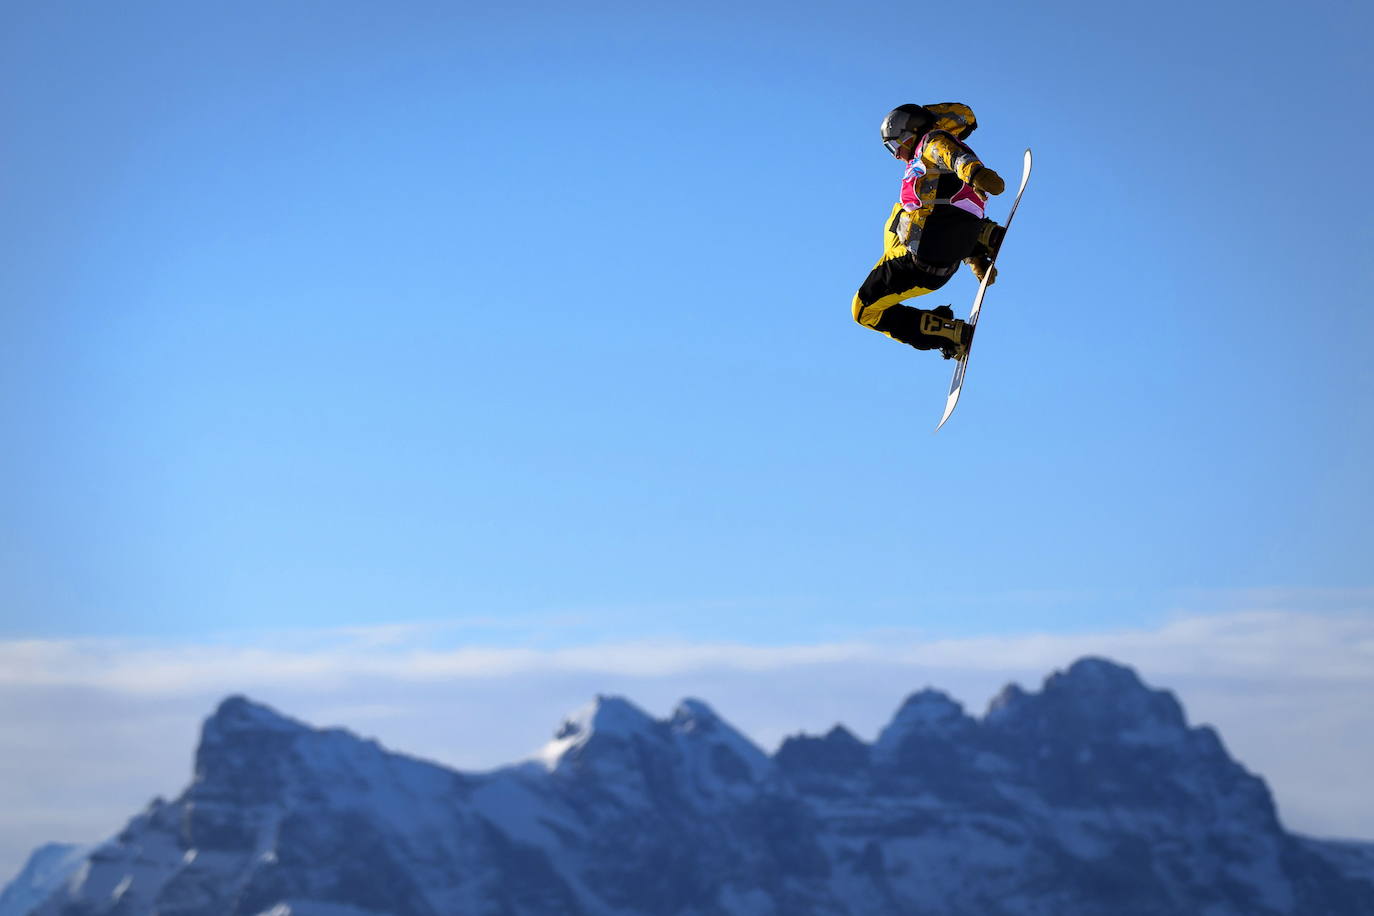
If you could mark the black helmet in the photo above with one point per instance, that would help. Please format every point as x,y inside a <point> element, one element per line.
<point>904,122</point>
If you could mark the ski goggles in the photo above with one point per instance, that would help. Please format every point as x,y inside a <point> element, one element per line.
<point>904,143</point>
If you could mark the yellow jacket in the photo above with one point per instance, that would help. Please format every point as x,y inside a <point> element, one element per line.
<point>930,176</point>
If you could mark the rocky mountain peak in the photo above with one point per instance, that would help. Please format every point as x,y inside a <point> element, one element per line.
<point>614,714</point>
<point>1091,672</point>
<point>1098,685</point>
<point>48,867</point>
<point>926,711</point>
<point>606,720</point>
<point>240,715</point>
<point>839,755</point>
<point>1093,698</point>
<point>719,753</point>
<point>694,715</point>
<point>926,716</point>
<point>1006,704</point>
<point>242,747</point>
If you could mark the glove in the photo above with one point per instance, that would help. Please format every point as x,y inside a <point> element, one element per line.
<point>988,181</point>
<point>981,265</point>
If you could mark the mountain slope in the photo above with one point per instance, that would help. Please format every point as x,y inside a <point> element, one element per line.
<point>47,868</point>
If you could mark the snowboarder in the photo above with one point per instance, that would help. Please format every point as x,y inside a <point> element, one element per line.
<point>938,222</point>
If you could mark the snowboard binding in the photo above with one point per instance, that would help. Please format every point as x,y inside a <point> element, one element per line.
<point>990,235</point>
<point>954,336</point>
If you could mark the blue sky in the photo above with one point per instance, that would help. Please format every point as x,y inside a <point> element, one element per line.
<point>339,314</point>
<point>354,314</point>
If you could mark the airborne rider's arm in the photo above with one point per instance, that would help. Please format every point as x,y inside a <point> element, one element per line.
<point>943,150</point>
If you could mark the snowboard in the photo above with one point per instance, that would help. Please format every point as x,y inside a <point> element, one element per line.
<point>956,385</point>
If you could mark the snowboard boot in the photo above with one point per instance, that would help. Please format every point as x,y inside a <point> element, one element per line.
<point>926,329</point>
<point>989,239</point>
<point>952,336</point>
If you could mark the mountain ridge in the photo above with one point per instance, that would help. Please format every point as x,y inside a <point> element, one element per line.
<point>1091,795</point>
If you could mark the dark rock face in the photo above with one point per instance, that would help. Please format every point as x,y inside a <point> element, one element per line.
<point>1092,796</point>
<point>817,763</point>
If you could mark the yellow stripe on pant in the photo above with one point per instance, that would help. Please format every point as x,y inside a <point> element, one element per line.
<point>870,314</point>
<point>877,304</point>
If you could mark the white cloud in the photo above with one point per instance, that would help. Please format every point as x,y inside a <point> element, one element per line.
<point>93,728</point>
<point>1249,643</point>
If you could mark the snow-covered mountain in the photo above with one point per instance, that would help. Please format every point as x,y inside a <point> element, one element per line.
<point>1092,796</point>
<point>47,868</point>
